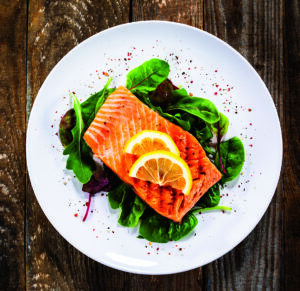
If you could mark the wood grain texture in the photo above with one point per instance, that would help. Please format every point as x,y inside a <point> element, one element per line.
<point>54,28</point>
<point>291,138</point>
<point>265,32</point>
<point>183,11</point>
<point>12,143</point>
<point>255,29</point>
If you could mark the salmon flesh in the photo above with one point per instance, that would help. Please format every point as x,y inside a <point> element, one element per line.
<point>121,117</point>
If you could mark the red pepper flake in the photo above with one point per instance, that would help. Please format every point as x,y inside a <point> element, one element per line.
<point>249,109</point>
<point>191,94</point>
<point>251,145</point>
<point>129,59</point>
<point>216,71</point>
<point>239,186</point>
<point>189,68</point>
<point>228,89</point>
<point>220,89</point>
<point>223,211</point>
<point>93,229</point>
<point>76,214</point>
<point>97,71</point>
<point>217,85</point>
<point>105,74</point>
<point>56,133</point>
<point>157,249</point>
<point>74,93</point>
<point>216,93</point>
<point>192,82</point>
<point>97,236</point>
<point>52,125</point>
<point>250,123</point>
<point>169,254</point>
<point>176,246</point>
<point>127,69</point>
<point>148,253</point>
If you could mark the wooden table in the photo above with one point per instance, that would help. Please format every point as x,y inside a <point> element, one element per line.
<point>36,34</point>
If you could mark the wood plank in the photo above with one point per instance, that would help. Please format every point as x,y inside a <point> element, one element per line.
<point>13,19</point>
<point>291,174</point>
<point>187,12</point>
<point>55,27</point>
<point>254,28</point>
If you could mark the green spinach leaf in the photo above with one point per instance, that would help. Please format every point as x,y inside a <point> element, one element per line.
<point>155,228</point>
<point>221,126</point>
<point>179,94</point>
<point>203,134</point>
<point>79,160</point>
<point>211,198</point>
<point>103,96</point>
<point>131,206</point>
<point>200,107</point>
<point>147,76</point>
<point>178,231</point>
<point>233,157</point>
<point>115,196</point>
<point>176,118</point>
<point>91,106</point>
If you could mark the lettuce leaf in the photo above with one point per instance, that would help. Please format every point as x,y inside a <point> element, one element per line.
<point>211,198</point>
<point>79,160</point>
<point>233,156</point>
<point>147,76</point>
<point>132,207</point>
<point>157,228</point>
<point>199,107</point>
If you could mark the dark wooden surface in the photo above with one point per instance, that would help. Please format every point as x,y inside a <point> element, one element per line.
<point>36,34</point>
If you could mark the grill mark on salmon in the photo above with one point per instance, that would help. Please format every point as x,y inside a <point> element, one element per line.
<point>122,116</point>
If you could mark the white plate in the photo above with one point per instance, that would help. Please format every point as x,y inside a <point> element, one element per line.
<point>213,70</point>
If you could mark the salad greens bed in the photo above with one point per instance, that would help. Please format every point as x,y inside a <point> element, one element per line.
<point>149,82</point>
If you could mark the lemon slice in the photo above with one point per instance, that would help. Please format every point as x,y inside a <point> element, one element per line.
<point>148,141</point>
<point>163,168</point>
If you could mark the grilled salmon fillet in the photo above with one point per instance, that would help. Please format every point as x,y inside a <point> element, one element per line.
<point>121,117</point>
